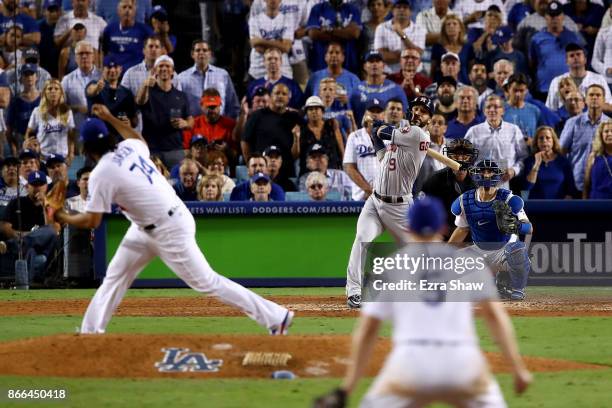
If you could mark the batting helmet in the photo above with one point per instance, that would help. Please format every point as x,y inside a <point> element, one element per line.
<point>462,151</point>
<point>477,173</point>
<point>423,101</point>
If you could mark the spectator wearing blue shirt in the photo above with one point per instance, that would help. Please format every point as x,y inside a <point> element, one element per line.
<point>547,49</point>
<point>523,114</point>
<point>107,91</point>
<point>161,28</point>
<point>49,52</point>
<point>21,107</point>
<point>187,183</point>
<point>578,133</point>
<point>588,16</point>
<point>375,86</point>
<point>334,20</point>
<point>466,101</point>
<point>124,39</point>
<point>598,176</point>
<point>257,164</point>
<point>547,173</point>
<point>452,43</point>
<point>503,40</point>
<point>10,16</point>
<point>334,108</point>
<point>107,9</point>
<point>518,12</point>
<point>273,75</point>
<point>572,106</point>
<point>346,81</point>
<point>203,75</point>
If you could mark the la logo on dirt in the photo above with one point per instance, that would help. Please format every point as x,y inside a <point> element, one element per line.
<point>180,360</point>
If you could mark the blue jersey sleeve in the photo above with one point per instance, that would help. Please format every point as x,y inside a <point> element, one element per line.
<point>456,206</point>
<point>516,204</point>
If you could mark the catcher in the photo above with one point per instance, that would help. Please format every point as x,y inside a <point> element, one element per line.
<point>495,218</point>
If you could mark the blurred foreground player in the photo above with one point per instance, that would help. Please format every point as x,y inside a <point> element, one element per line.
<point>435,355</point>
<point>495,218</point>
<point>161,226</point>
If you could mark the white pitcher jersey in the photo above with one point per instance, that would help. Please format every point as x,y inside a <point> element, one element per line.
<point>129,174</point>
<point>402,161</point>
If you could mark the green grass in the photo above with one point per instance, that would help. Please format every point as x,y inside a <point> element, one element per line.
<point>559,390</point>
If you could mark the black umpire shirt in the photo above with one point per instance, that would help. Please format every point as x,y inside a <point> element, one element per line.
<point>443,185</point>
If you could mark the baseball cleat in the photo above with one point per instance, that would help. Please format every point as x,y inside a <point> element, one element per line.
<point>354,301</point>
<point>283,329</point>
<point>517,294</point>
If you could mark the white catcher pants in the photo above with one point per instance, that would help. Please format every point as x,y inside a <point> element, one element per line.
<point>173,240</point>
<point>375,217</point>
<point>417,375</point>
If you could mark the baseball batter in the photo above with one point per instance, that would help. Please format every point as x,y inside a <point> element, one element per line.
<point>400,162</point>
<point>435,355</point>
<point>161,225</point>
<point>495,218</point>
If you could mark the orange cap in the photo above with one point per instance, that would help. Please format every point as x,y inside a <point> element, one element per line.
<point>212,100</point>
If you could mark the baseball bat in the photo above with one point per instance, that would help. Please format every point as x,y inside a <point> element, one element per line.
<point>443,159</point>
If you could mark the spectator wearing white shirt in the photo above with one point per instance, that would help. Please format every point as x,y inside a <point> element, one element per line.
<point>360,162</point>
<point>80,14</point>
<point>74,83</point>
<point>203,75</point>
<point>317,160</point>
<point>575,57</point>
<point>77,203</point>
<point>498,140</point>
<point>431,21</point>
<point>473,11</point>
<point>270,29</point>
<point>602,53</point>
<point>52,122</point>
<point>392,36</point>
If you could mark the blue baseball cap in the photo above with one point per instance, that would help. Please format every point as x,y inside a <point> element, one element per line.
<point>426,216</point>
<point>373,55</point>
<point>259,176</point>
<point>159,13</point>
<point>375,103</point>
<point>28,69</point>
<point>502,35</point>
<point>37,178</point>
<point>55,158</point>
<point>51,3</point>
<point>198,139</point>
<point>93,129</point>
<point>402,2</point>
<point>110,61</point>
<point>28,154</point>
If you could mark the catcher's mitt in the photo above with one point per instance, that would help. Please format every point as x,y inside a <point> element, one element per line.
<point>507,221</point>
<point>335,399</point>
<point>56,197</point>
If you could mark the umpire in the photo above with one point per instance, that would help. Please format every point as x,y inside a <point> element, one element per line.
<point>448,184</point>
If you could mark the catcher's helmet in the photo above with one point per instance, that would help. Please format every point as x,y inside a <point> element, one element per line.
<point>461,147</point>
<point>477,173</point>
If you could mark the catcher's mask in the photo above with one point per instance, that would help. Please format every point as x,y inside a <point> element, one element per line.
<point>486,173</point>
<point>462,151</point>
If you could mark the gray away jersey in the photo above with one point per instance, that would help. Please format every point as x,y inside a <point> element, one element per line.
<point>402,161</point>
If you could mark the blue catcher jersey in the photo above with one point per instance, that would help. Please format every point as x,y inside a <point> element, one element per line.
<point>480,217</point>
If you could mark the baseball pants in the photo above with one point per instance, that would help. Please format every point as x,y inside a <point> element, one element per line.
<point>417,375</point>
<point>375,217</point>
<point>173,240</point>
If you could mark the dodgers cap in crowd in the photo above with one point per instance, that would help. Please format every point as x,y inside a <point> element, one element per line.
<point>37,178</point>
<point>93,129</point>
<point>316,149</point>
<point>259,176</point>
<point>28,154</point>
<point>375,103</point>
<point>272,151</point>
<point>198,138</point>
<point>373,55</point>
<point>502,35</point>
<point>55,158</point>
<point>426,216</point>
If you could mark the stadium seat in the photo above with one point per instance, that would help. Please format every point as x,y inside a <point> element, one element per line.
<point>242,173</point>
<point>77,163</point>
<point>300,196</point>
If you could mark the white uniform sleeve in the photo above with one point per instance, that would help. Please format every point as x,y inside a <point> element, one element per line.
<point>33,122</point>
<point>461,221</point>
<point>101,192</point>
<point>70,123</point>
<point>139,146</point>
<point>379,37</point>
<point>378,310</point>
<point>349,150</point>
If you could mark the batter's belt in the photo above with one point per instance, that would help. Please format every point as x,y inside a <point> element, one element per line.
<point>393,199</point>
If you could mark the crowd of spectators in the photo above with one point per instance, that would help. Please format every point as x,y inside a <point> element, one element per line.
<point>527,83</point>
